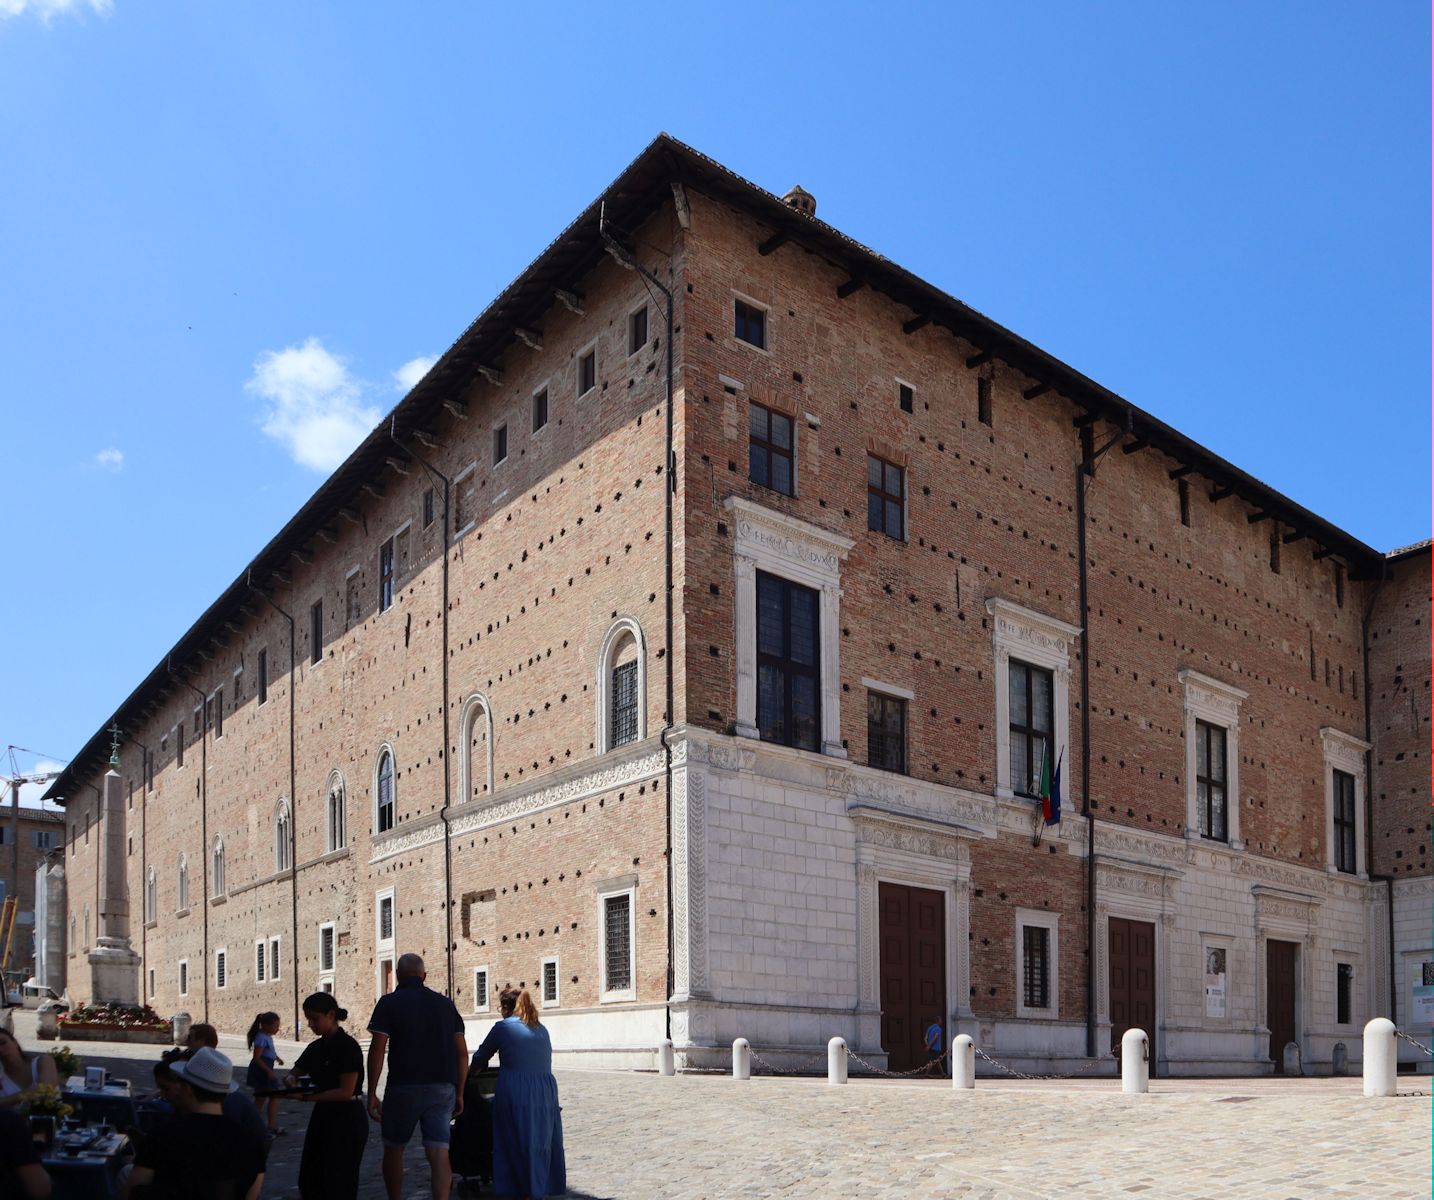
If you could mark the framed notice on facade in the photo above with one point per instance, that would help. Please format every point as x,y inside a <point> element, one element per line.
<point>1422,979</point>
<point>1216,977</point>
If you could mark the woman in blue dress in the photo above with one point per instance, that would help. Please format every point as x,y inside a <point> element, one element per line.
<point>527,1122</point>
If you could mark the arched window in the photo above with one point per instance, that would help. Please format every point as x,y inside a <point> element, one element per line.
<point>336,834</point>
<point>73,946</point>
<point>622,686</point>
<point>151,896</point>
<point>86,946</point>
<point>217,869</point>
<point>283,831</point>
<point>384,792</point>
<point>183,886</point>
<point>476,733</point>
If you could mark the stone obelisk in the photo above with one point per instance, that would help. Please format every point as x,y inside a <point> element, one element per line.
<point>114,966</point>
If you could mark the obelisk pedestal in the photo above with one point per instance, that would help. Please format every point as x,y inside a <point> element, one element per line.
<point>114,966</point>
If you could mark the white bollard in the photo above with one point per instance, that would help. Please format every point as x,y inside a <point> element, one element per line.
<point>1381,1060</point>
<point>836,1060</point>
<point>1135,1062</point>
<point>741,1059</point>
<point>963,1062</point>
<point>666,1059</point>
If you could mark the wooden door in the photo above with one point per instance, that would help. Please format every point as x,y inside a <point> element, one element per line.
<point>912,937</point>
<point>1281,959</point>
<point>1131,948</point>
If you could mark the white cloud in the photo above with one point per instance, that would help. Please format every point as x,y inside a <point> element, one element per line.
<point>111,459</point>
<point>30,793</point>
<point>413,370</point>
<point>316,408</point>
<point>47,10</point>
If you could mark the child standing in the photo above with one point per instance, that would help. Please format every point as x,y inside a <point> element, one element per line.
<point>262,1060</point>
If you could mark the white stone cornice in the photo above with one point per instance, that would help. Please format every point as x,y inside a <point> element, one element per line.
<point>1224,699</point>
<point>787,537</point>
<point>1343,750</point>
<point>1023,622</point>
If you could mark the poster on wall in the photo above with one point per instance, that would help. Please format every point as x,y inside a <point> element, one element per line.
<point>1422,979</point>
<point>1215,977</point>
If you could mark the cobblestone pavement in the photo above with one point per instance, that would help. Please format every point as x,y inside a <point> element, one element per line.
<point>639,1136</point>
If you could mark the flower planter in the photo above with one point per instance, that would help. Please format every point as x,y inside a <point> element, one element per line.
<point>98,1032</point>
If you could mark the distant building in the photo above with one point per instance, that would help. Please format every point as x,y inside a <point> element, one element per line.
<point>37,835</point>
<point>917,566</point>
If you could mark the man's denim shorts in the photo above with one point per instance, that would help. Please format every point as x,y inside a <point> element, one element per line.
<point>428,1105</point>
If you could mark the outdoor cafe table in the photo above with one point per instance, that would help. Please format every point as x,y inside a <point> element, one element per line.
<point>85,1165</point>
<point>110,1104</point>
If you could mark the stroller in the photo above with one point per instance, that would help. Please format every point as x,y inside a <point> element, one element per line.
<point>470,1147</point>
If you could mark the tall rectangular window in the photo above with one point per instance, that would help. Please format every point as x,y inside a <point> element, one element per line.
<point>617,942</point>
<point>624,703</point>
<point>273,958</point>
<point>218,718</point>
<point>385,576</point>
<point>637,330</point>
<point>1344,993</point>
<point>353,604</point>
<point>183,977</point>
<point>1210,776</point>
<point>1033,721</point>
<point>550,982</point>
<point>749,324</point>
<point>788,663</point>
<point>905,397</point>
<point>1275,547</point>
<point>326,948</point>
<point>428,508</point>
<point>587,372</point>
<point>886,731</point>
<point>885,497</point>
<point>983,401</point>
<point>1036,966</point>
<point>1339,585</point>
<point>316,631</point>
<point>263,676</point>
<point>480,989</point>
<point>769,450</point>
<point>540,409</point>
<point>465,500</point>
<point>1184,489</point>
<point>1344,855</point>
<point>221,968</point>
<point>261,961</point>
<point>179,745</point>
<point>500,444</point>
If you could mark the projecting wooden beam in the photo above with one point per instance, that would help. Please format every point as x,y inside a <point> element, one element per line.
<point>302,555</point>
<point>282,575</point>
<point>1134,447</point>
<point>980,359</point>
<point>374,488</point>
<point>916,323</point>
<point>572,301</point>
<point>398,464</point>
<point>532,338</point>
<point>328,533</point>
<point>1295,535</point>
<point>232,627</point>
<point>1256,517</point>
<point>1086,420</point>
<point>459,408</point>
<point>1218,494</point>
<point>1180,472</point>
<point>493,375</point>
<point>427,438</point>
<point>351,515</point>
<point>775,242</point>
<point>1034,393</point>
<point>679,198</point>
<point>1322,552</point>
<point>850,287</point>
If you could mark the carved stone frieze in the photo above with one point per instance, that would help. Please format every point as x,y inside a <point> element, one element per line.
<point>932,843</point>
<point>866,931</point>
<point>1110,840</point>
<point>696,807</point>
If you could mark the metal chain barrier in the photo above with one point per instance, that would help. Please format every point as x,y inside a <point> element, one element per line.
<point>1085,1070</point>
<point>820,1067</point>
<point>1399,1033</point>
<point>875,1070</point>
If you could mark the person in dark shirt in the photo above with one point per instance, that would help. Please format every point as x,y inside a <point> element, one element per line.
<point>21,1173</point>
<point>427,1065</point>
<point>200,1155</point>
<point>338,1129</point>
<point>236,1106</point>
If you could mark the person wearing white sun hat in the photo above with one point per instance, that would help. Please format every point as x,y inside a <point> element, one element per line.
<point>200,1153</point>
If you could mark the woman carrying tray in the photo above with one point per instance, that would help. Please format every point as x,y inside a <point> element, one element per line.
<point>338,1129</point>
<point>528,1158</point>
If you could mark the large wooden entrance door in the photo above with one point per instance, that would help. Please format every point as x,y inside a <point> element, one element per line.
<point>913,971</point>
<point>1132,980</point>
<point>1280,962</point>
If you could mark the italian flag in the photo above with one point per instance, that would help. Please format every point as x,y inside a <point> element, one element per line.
<point>1050,788</point>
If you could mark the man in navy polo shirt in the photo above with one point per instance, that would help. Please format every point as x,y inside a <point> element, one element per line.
<point>428,1061</point>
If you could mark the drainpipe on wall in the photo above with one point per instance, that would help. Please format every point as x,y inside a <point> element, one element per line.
<point>1387,880</point>
<point>203,821</point>
<point>293,803</point>
<point>447,747</point>
<point>623,257</point>
<point>143,932</point>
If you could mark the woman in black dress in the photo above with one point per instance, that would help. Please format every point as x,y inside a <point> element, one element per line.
<point>338,1129</point>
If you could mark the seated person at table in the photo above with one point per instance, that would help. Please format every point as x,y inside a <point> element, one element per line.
<point>200,1154</point>
<point>236,1106</point>
<point>21,1073</point>
<point>21,1174</point>
<point>202,1035</point>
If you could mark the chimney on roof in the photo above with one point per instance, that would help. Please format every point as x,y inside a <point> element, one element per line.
<point>801,200</point>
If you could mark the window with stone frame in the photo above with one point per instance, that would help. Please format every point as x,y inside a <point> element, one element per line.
<point>885,731</point>
<point>1345,859</point>
<point>216,869</point>
<point>1344,994</point>
<point>624,703</point>
<point>282,832</point>
<point>771,449</point>
<point>221,969</point>
<point>326,947</point>
<point>335,815</point>
<point>1036,966</point>
<point>617,916</point>
<point>788,663</point>
<point>1211,781</point>
<point>1031,692</point>
<point>385,799</point>
<point>385,575</point>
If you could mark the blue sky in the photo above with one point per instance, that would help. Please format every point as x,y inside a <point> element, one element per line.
<point>229,232</point>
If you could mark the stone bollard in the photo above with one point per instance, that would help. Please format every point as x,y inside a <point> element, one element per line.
<point>1381,1060</point>
<point>1135,1062</point>
<point>836,1060</point>
<point>666,1059</point>
<point>49,1021</point>
<point>963,1062</point>
<point>741,1059</point>
<point>181,1021</point>
<point>1292,1059</point>
<point>1339,1062</point>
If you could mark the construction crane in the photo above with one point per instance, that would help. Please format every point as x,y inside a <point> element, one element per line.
<point>16,779</point>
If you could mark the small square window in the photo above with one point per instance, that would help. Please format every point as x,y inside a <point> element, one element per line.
<point>637,330</point>
<point>587,372</point>
<point>540,409</point>
<point>885,497</point>
<point>500,444</point>
<point>906,397</point>
<point>750,324</point>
